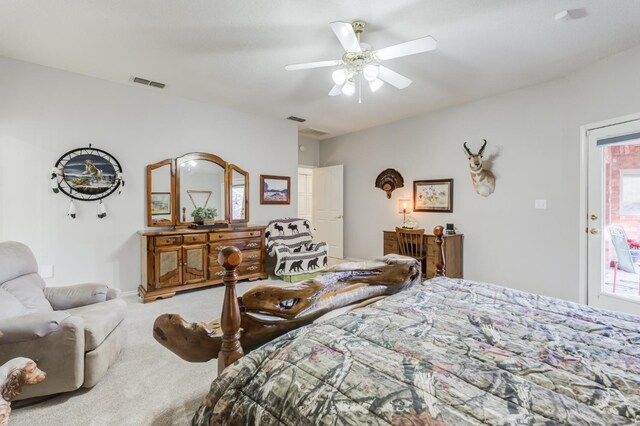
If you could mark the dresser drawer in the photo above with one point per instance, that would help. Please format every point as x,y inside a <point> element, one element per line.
<point>245,268</point>
<point>390,246</point>
<point>249,268</point>
<point>195,239</point>
<point>215,272</point>
<point>168,241</point>
<point>222,236</point>
<point>390,236</point>
<point>216,247</point>
<point>250,256</point>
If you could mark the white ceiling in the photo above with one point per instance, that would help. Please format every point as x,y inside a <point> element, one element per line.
<point>233,52</point>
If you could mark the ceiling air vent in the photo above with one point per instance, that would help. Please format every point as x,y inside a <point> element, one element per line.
<point>148,82</point>
<point>312,132</point>
<point>294,118</point>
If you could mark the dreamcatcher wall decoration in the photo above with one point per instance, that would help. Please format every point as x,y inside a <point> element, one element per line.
<point>87,174</point>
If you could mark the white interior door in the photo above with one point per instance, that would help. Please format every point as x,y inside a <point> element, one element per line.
<point>305,194</point>
<point>613,202</point>
<point>328,207</point>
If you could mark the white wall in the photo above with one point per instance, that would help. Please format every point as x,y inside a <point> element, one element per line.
<point>535,133</point>
<point>46,112</point>
<point>311,154</point>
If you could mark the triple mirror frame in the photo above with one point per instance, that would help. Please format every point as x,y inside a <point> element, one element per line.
<point>176,187</point>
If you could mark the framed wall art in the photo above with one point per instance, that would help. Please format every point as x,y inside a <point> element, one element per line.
<point>275,189</point>
<point>434,195</point>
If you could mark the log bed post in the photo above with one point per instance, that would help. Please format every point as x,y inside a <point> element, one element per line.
<point>231,350</point>
<point>438,231</point>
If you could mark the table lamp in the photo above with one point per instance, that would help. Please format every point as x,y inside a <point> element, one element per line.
<point>404,206</point>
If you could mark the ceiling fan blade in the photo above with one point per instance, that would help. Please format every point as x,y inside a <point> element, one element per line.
<point>393,78</point>
<point>335,90</point>
<point>309,65</point>
<point>412,47</point>
<point>346,36</point>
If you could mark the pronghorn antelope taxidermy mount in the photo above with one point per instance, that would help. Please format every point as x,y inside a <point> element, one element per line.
<point>484,182</point>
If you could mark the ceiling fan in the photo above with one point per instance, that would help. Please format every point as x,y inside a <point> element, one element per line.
<point>362,62</point>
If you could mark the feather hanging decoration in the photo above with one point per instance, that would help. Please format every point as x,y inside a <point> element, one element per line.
<point>72,210</point>
<point>54,180</point>
<point>121,179</point>
<point>102,211</point>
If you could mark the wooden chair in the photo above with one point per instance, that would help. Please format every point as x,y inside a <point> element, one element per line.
<point>411,242</point>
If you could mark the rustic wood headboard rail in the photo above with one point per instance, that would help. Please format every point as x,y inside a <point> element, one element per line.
<point>230,258</point>
<point>268,311</point>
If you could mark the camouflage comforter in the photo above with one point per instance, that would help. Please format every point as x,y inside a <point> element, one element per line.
<point>449,352</point>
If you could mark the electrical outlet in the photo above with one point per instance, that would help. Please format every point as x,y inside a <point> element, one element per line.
<point>540,204</point>
<point>46,271</point>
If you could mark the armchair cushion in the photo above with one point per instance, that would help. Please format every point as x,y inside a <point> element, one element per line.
<point>10,306</point>
<point>30,326</point>
<point>28,290</point>
<point>100,320</point>
<point>62,298</point>
<point>16,260</point>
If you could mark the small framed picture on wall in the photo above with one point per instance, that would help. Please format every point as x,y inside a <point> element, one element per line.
<point>434,195</point>
<point>275,189</point>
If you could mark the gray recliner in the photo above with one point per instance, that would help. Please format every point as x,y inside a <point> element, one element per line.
<point>74,333</point>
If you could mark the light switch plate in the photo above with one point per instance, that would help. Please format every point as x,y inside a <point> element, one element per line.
<point>46,271</point>
<point>541,204</point>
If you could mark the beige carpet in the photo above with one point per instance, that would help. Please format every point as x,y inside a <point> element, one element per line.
<point>149,385</point>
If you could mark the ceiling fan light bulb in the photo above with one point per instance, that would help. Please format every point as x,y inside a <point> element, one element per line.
<point>349,88</point>
<point>370,72</point>
<point>339,77</point>
<point>375,85</point>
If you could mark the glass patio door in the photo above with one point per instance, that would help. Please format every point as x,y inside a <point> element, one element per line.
<point>613,217</point>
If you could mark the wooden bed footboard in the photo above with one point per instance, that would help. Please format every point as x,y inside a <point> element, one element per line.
<point>268,311</point>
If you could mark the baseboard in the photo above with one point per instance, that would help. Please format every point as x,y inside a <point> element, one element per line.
<point>130,293</point>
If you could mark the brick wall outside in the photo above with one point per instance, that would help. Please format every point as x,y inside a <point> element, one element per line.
<point>619,158</point>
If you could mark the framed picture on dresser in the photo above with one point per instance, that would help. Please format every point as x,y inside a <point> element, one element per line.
<point>435,195</point>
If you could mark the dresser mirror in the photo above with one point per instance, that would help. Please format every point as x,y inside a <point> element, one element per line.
<point>177,187</point>
<point>239,202</point>
<point>160,194</point>
<point>201,180</point>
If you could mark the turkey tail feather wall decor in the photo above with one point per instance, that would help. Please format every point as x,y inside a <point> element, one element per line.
<point>483,180</point>
<point>389,180</point>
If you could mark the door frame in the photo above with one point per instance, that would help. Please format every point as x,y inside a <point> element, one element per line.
<point>583,222</point>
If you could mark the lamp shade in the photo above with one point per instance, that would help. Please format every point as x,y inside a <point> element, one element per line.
<point>405,205</point>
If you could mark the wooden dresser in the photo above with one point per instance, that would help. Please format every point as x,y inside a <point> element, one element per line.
<point>452,252</point>
<point>184,259</point>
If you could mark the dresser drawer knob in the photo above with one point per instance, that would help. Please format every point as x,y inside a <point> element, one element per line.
<point>220,274</point>
<point>253,256</point>
<point>220,248</point>
<point>252,245</point>
<point>252,268</point>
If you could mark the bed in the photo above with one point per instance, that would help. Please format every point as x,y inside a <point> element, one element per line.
<point>446,351</point>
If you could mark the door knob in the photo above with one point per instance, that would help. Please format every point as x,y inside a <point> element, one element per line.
<point>594,231</point>
<point>594,217</point>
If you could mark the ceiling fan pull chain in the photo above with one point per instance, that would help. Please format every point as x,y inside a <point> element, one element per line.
<point>359,90</point>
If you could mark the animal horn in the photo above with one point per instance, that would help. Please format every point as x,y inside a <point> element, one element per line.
<point>466,149</point>
<point>483,147</point>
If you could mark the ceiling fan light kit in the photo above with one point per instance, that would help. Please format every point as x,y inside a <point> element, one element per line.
<point>362,62</point>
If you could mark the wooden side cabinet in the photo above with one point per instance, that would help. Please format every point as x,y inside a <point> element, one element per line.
<point>452,252</point>
<point>178,260</point>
